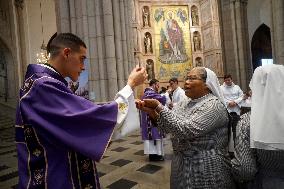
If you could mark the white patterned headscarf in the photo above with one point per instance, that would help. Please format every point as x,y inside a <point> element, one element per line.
<point>267,108</point>
<point>213,84</point>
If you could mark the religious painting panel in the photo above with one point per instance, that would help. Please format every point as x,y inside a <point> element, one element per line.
<point>172,45</point>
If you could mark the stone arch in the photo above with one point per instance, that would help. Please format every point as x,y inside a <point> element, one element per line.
<point>261,45</point>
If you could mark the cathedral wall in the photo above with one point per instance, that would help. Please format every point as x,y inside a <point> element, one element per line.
<point>258,12</point>
<point>8,54</point>
<point>35,35</point>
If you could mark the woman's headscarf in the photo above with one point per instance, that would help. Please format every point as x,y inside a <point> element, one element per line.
<point>213,84</point>
<point>267,110</point>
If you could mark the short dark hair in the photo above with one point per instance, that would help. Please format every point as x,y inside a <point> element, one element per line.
<point>173,79</point>
<point>153,81</point>
<point>227,76</point>
<point>49,42</point>
<point>64,40</point>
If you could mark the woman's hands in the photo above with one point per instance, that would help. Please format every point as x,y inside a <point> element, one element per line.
<point>149,106</point>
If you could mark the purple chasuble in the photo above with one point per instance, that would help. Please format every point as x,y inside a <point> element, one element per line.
<point>148,131</point>
<point>59,134</point>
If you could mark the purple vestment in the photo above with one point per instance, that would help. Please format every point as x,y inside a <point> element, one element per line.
<point>149,132</point>
<point>59,134</point>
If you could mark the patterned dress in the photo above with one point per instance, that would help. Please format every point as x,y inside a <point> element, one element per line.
<point>264,167</point>
<point>200,144</point>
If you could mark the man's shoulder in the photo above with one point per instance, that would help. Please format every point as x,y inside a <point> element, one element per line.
<point>237,86</point>
<point>40,80</point>
<point>45,80</point>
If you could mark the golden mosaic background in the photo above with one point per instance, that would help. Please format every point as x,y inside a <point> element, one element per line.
<point>170,63</point>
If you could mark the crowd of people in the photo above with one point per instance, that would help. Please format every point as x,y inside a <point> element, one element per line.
<point>214,146</point>
<point>222,137</point>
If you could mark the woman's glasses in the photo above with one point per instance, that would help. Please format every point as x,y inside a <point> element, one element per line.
<point>192,78</point>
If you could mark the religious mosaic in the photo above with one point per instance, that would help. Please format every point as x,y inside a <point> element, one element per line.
<point>172,41</point>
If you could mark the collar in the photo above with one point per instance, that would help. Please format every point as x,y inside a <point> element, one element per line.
<point>44,68</point>
<point>201,98</point>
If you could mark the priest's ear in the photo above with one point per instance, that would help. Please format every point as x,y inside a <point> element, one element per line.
<point>66,52</point>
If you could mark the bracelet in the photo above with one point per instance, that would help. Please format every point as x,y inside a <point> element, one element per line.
<point>158,108</point>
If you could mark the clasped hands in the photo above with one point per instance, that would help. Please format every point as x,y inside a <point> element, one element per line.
<point>232,104</point>
<point>150,106</point>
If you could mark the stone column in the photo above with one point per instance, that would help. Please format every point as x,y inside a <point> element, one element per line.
<point>100,50</point>
<point>94,79</point>
<point>236,41</point>
<point>72,15</point>
<point>124,39</point>
<point>128,34</point>
<point>104,25</point>
<point>110,48</point>
<point>22,64</point>
<point>131,61</point>
<point>118,44</point>
<point>277,31</point>
<point>62,16</point>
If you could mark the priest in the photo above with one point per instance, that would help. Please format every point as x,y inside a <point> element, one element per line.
<point>59,135</point>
